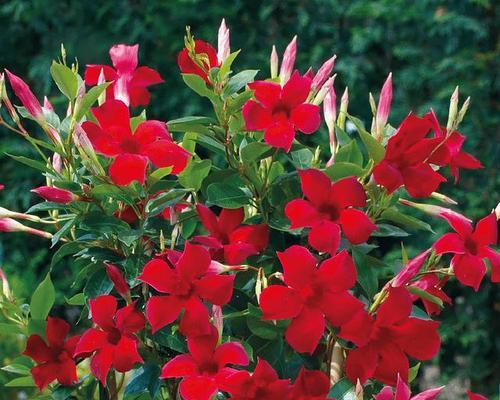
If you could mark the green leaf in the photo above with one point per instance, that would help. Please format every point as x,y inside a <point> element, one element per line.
<point>158,174</point>
<point>65,250</point>
<point>375,150</point>
<point>425,295</point>
<point>18,369</point>
<point>198,85</point>
<point>24,381</point>
<point>144,378</point>
<point>42,300</point>
<point>386,230</point>
<point>97,222</point>
<point>97,284</point>
<point>164,200</point>
<point>226,195</point>
<point>76,300</point>
<point>11,329</point>
<point>367,276</point>
<point>193,175</point>
<point>225,68</point>
<point>342,390</point>
<point>65,79</point>
<point>413,372</point>
<point>189,141</point>
<point>340,170</point>
<point>406,221</point>
<point>239,81</point>
<point>30,163</point>
<point>61,232</point>
<point>302,158</point>
<point>255,151</point>
<point>350,153</point>
<point>89,99</point>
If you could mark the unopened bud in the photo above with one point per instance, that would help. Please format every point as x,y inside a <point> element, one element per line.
<point>274,63</point>
<point>24,93</point>
<point>217,320</point>
<point>452,113</point>
<point>47,104</point>
<point>223,45</point>
<point>288,61</point>
<point>497,211</point>
<point>318,99</point>
<point>119,282</point>
<point>5,286</point>
<point>57,162</point>
<point>56,195</point>
<point>384,107</point>
<point>359,390</point>
<point>11,225</point>
<point>323,73</point>
<point>5,213</point>
<point>436,211</point>
<point>373,105</point>
<point>463,110</point>
<point>102,79</point>
<point>443,198</point>
<point>344,102</point>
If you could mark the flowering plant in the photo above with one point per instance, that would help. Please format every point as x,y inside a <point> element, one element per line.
<point>235,255</point>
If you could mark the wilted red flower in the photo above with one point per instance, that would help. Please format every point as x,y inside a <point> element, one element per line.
<point>229,241</point>
<point>406,160</point>
<point>328,206</point>
<point>129,82</point>
<point>55,195</point>
<point>187,284</point>
<point>54,358</point>
<point>311,295</point>
<point>151,141</point>
<point>24,93</point>
<point>207,56</point>
<point>113,342</point>
<point>280,111</point>
<point>205,370</point>
<point>385,341</point>
<point>310,385</point>
<point>263,384</point>
<point>471,247</point>
<point>403,393</point>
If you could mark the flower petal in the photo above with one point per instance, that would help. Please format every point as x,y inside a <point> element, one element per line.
<point>279,302</point>
<point>125,354</point>
<point>103,309</point>
<point>91,340</point>
<point>486,232</point>
<point>421,180</point>
<point>296,90</point>
<point>158,274</point>
<point>195,320</point>
<point>145,76</point>
<point>124,57</point>
<point>306,118</point>
<point>301,213</point>
<point>338,273</point>
<point>306,330</point>
<point>392,363</point>
<point>316,186</point>
<point>341,307</point>
<point>469,270</point>
<point>129,320</point>
<point>397,307</point>
<point>348,192</point>
<point>231,353</point>
<point>217,289</point>
<point>194,262</point>
<point>361,363</point>
<point>419,338</point>
<point>280,135</point>
<point>256,117</point>
<point>230,219</point>
<point>299,266</point>
<point>325,236</point>
<point>179,366</point>
<point>357,329</point>
<point>114,118</point>
<point>56,332</point>
<point>149,131</point>
<point>44,374</point>
<point>127,168</point>
<point>388,176</point>
<point>37,349</point>
<point>266,93</point>
<point>162,310</point>
<point>101,363</point>
<point>197,388</point>
<point>93,71</point>
<point>164,153</point>
<point>356,225</point>
<point>101,141</point>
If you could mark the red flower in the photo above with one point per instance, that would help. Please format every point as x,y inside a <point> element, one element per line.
<point>329,205</point>
<point>280,111</point>
<point>406,160</point>
<point>434,286</point>
<point>475,396</point>
<point>54,358</point>
<point>24,93</point>
<point>204,370</point>
<point>471,247</point>
<point>229,241</point>
<point>403,393</point>
<point>311,295</point>
<point>385,341</point>
<point>112,342</point>
<point>206,55</point>
<point>310,385</point>
<point>263,384</point>
<point>187,284</point>
<point>129,83</point>
<point>150,141</point>
<point>55,195</point>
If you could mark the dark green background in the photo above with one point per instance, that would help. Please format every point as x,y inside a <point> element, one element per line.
<point>430,46</point>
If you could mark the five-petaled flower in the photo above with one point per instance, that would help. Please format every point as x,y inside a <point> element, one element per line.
<point>229,240</point>
<point>128,82</point>
<point>186,285</point>
<point>403,393</point>
<point>470,247</point>
<point>328,205</point>
<point>385,341</point>
<point>54,358</point>
<point>310,385</point>
<point>407,158</point>
<point>205,369</point>
<point>280,111</point>
<point>206,57</point>
<point>112,342</point>
<point>150,141</point>
<point>311,295</point>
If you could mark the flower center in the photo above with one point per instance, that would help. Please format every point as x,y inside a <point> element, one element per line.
<point>130,146</point>
<point>331,212</point>
<point>471,246</point>
<point>114,336</point>
<point>281,112</point>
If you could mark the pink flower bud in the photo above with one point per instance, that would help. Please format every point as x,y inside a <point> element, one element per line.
<point>11,225</point>
<point>288,61</point>
<point>323,73</point>
<point>274,63</point>
<point>119,282</point>
<point>344,103</point>
<point>24,93</point>
<point>2,187</point>
<point>2,87</point>
<point>218,319</point>
<point>5,286</point>
<point>320,96</point>
<point>330,115</point>
<point>436,211</point>
<point>55,195</point>
<point>384,105</point>
<point>47,104</point>
<point>410,270</point>
<point>223,46</point>
<point>5,213</point>
<point>57,162</point>
<point>218,268</point>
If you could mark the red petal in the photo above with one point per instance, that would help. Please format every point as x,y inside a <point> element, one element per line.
<point>279,302</point>
<point>306,118</point>
<point>194,262</point>
<point>124,57</point>
<point>138,96</point>
<point>385,394</point>
<point>410,270</point>
<point>195,320</point>
<point>361,363</point>
<point>402,389</point>
<point>103,309</point>
<point>238,252</point>
<point>299,266</point>
<point>129,320</point>
<point>256,117</point>
<point>301,213</point>
<point>310,385</point>
<point>494,259</point>
<point>338,273</point>
<point>348,192</point>
<point>255,235</point>
<point>421,180</point>
<point>340,307</point>
<point>66,372</point>
<point>125,354</point>
<point>217,289</point>
<point>149,131</point>
<point>280,135</point>
<point>101,363</point>
<point>197,388</point>
<point>316,186</point>
<point>296,90</point>
<point>486,232</point>
<point>325,236</point>
<point>392,361</point>
<point>475,396</point>
<point>388,176</point>
<point>469,270</point>
<point>230,219</point>
<point>92,73</point>
<point>127,168</point>
<point>164,153</point>
<point>162,310</point>
<point>357,329</point>
<point>449,243</point>
<point>114,118</point>
<point>231,353</point>
<point>458,222</point>
<point>56,332</point>
<point>90,341</point>
<point>44,374</point>
<point>306,330</point>
<point>101,141</point>
<point>158,274</point>
<point>208,219</point>
<point>430,394</point>
<point>396,308</point>
<point>145,76</point>
<point>179,366</point>
<point>356,225</point>
<point>37,349</point>
<point>419,338</point>
<point>264,372</point>
<point>266,93</point>
<point>202,347</point>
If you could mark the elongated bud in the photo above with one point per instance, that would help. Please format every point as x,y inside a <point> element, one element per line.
<point>323,73</point>
<point>5,286</point>
<point>463,110</point>
<point>86,150</point>
<point>373,105</point>
<point>100,81</point>
<point>452,113</point>
<point>217,320</point>
<point>359,390</point>
<point>47,104</point>
<point>57,162</point>
<point>384,106</point>
<point>24,93</point>
<point>330,115</point>
<point>497,211</point>
<point>2,88</point>
<point>443,198</point>
<point>119,282</point>
<point>288,61</point>
<point>5,213</point>
<point>274,63</point>
<point>223,45</point>
<point>11,225</point>
<point>56,195</point>
<point>216,267</point>
<point>344,102</point>
<point>436,211</point>
<point>320,96</point>
<point>336,363</point>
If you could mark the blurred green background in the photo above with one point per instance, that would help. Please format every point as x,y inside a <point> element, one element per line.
<point>429,45</point>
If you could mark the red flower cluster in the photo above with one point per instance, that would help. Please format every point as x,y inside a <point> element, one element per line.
<point>206,59</point>
<point>280,111</point>
<point>326,207</point>
<point>150,141</point>
<point>229,241</point>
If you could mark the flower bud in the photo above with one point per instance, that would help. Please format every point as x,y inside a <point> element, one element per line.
<point>443,198</point>
<point>11,225</point>
<point>57,162</point>
<point>216,267</point>
<point>336,363</point>
<point>5,286</point>
<point>24,93</point>
<point>119,282</point>
<point>274,63</point>
<point>2,87</point>
<point>463,110</point>
<point>217,319</point>
<point>288,61</point>
<point>223,46</point>
<point>435,211</point>
<point>344,102</point>
<point>323,73</point>
<point>320,96</point>
<point>452,113</point>
<point>384,106</point>
<point>330,115</point>
<point>5,213</point>
<point>56,195</point>
<point>47,104</point>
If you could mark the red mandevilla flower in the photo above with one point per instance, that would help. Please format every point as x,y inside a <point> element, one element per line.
<point>207,56</point>
<point>470,247</point>
<point>112,343</point>
<point>280,111</point>
<point>151,141</point>
<point>229,241</point>
<point>54,358</point>
<point>263,384</point>
<point>129,83</point>
<point>329,205</point>
<point>55,195</point>
<point>311,295</point>
<point>406,160</point>
<point>205,370</point>
<point>187,284</point>
<point>403,393</point>
<point>385,341</point>
<point>310,385</point>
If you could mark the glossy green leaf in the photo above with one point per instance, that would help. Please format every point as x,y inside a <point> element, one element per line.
<point>42,299</point>
<point>65,79</point>
<point>193,175</point>
<point>226,195</point>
